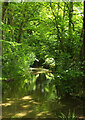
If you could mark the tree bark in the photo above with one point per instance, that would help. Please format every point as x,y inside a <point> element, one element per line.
<point>59,35</point>
<point>70,9</point>
<point>83,53</point>
<point>64,11</point>
<point>70,17</point>
<point>84,34</point>
<point>4,8</point>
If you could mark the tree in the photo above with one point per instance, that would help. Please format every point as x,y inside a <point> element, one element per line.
<point>83,56</point>
<point>44,31</point>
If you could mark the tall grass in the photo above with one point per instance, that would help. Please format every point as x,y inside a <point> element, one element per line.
<point>70,116</point>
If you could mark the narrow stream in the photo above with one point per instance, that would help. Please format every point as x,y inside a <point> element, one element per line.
<point>36,97</point>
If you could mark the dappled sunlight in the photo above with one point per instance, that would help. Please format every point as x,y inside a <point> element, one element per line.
<point>82,118</point>
<point>6,104</point>
<point>43,113</point>
<point>37,103</point>
<point>31,101</point>
<point>22,114</point>
<point>37,72</point>
<point>30,111</point>
<point>26,106</point>
<point>34,103</point>
<point>10,99</point>
<point>43,61</point>
<point>7,98</point>
<point>26,98</point>
<point>40,70</point>
<point>9,103</point>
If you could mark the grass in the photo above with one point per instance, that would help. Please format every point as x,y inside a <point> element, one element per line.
<point>69,116</point>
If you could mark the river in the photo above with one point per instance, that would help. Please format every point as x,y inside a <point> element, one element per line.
<point>32,98</point>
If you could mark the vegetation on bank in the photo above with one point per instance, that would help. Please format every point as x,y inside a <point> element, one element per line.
<point>48,35</point>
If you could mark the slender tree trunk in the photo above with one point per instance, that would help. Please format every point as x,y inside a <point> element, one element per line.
<point>83,53</point>
<point>58,7</point>
<point>20,32</point>
<point>4,8</point>
<point>70,9</point>
<point>84,34</point>
<point>64,11</point>
<point>70,19</point>
<point>59,35</point>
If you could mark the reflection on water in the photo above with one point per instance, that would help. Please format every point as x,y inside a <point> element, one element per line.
<point>36,98</point>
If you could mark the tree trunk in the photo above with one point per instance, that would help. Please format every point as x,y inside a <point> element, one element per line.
<point>83,54</point>
<point>70,17</point>
<point>4,8</point>
<point>64,11</point>
<point>59,35</point>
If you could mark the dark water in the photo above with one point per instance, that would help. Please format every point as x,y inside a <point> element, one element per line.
<point>36,97</point>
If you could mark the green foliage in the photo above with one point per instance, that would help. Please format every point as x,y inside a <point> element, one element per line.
<point>69,79</point>
<point>49,62</point>
<point>16,59</point>
<point>69,116</point>
<point>44,31</point>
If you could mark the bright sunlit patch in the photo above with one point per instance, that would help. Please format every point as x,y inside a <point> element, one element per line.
<point>30,111</point>
<point>20,114</point>
<point>26,106</point>
<point>26,98</point>
<point>7,98</point>
<point>6,104</point>
<point>82,117</point>
<point>31,101</point>
<point>40,114</point>
<point>36,103</point>
<point>11,101</point>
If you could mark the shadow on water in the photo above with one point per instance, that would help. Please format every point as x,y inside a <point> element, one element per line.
<point>36,98</point>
